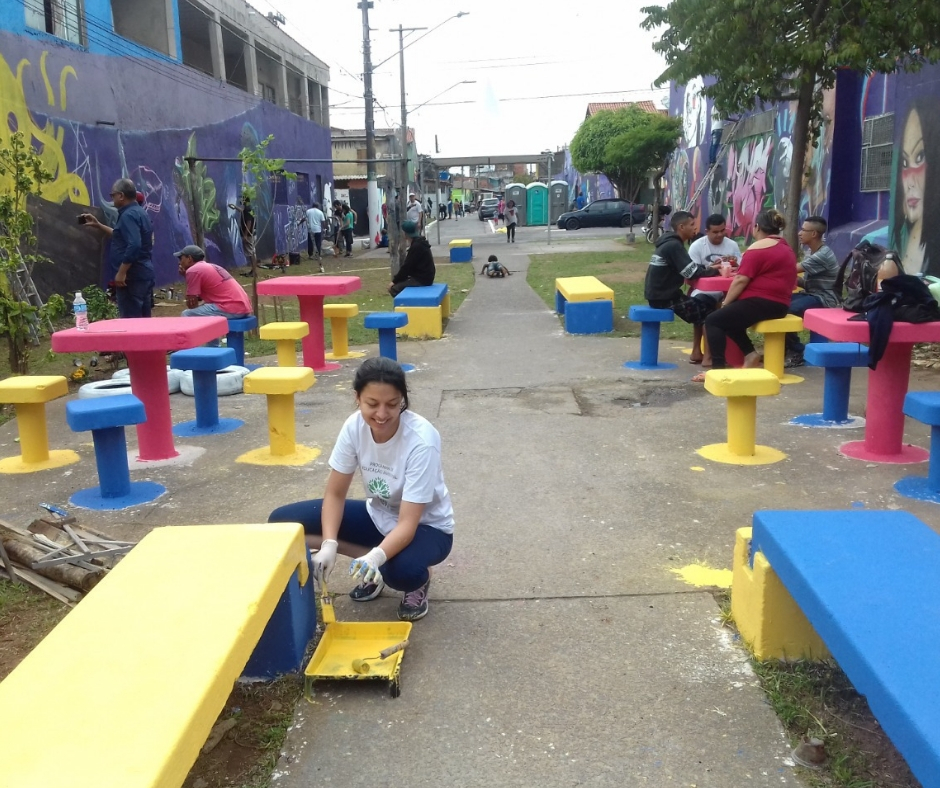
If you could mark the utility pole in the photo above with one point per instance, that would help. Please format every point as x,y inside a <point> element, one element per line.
<point>372,186</point>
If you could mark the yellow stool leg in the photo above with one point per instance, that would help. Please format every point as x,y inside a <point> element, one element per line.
<point>339,328</point>
<point>282,427</point>
<point>34,440</point>
<point>286,353</point>
<point>774,351</point>
<point>445,307</point>
<point>742,425</point>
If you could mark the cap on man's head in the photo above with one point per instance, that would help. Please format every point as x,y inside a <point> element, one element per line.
<point>410,228</point>
<point>191,251</point>
<point>412,195</point>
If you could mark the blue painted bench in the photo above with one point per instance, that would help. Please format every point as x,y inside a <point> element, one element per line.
<point>387,324</point>
<point>649,320</point>
<point>240,603</point>
<point>106,418</point>
<point>837,358</point>
<point>235,338</point>
<point>868,583</point>
<point>925,407</point>
<point>205,363</point>
<point>426,307</point>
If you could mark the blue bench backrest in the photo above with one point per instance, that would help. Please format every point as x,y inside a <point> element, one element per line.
<point>432,295</point>
<point>869,583</point>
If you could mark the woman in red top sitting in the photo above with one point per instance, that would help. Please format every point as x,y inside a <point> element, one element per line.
<point>761,290</point>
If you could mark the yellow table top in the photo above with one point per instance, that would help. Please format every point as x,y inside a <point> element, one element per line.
<point>135,676</point>
<point>583,288</point>
<point>33,388</point>
<point>461,242</point>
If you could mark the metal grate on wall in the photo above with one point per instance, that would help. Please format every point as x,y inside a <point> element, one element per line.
<point>877,153</point>
<point>756,125</point>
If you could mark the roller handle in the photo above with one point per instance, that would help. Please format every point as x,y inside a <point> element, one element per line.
<point>386,653</point>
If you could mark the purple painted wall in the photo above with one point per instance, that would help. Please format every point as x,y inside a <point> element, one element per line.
<point>594,186</point>
<point>97,118</point>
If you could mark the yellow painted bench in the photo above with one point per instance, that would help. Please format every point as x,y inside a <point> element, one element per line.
<point>339,316</point>
<point>280,384</point>
<point>427,309</point>
<point>125,690</point>
<point>29,394</point>
<point>285,336</point>
<point>594,313</point>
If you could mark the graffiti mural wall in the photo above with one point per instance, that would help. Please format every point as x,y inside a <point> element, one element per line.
<point>96,118</point>
<point>593,187</point>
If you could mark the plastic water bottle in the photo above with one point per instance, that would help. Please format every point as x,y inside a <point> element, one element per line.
<point>80,308</point>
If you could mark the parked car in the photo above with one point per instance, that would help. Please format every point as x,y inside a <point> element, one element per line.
<point>488,208</point>
<point>603,213</point>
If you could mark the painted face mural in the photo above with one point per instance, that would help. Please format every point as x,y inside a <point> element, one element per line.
<point>913,168</point>
<point>695,114</point>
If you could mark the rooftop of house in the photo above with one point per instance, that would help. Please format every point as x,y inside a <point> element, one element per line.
<point>648,106</point>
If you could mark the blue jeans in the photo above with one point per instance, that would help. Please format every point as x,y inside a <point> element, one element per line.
<point>211,310</point>
<point>406,571</point>
<point>798,306</point>
<point>136,299</point>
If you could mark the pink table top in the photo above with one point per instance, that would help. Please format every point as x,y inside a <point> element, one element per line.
<point>834,324</point>
<point>309,285</point>
<point>140,333</point>
<point>712,284</point>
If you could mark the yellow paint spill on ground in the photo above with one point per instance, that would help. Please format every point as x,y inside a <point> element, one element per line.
<point>699,575</point>
<point>696,468</point>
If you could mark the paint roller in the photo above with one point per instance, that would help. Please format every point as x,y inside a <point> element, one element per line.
<point>361,666</point>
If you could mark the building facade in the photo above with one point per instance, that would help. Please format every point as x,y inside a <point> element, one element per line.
<point>108,89</point>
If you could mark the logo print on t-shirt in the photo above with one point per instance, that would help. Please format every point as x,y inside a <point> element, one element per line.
<point>380,488</point>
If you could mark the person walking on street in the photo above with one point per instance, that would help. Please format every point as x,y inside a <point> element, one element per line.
<point>512,219</point>
<point>129,259</point>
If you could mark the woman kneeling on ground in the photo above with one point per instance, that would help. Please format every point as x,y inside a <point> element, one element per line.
<point>761,290</point>
<point>407,524</point>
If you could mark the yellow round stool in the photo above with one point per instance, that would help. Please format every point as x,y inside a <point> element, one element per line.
<point>741,387</point>
<point>29,394</point>
<point>285,336</point>
<point>280,384</point>
<point>339,315</point>
<point>775,332</point>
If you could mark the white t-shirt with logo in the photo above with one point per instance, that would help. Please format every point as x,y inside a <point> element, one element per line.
<point>705,253</point>
<point>406,468</point>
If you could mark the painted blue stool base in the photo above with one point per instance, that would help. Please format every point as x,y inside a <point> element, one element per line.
<point>641,366</point>
<point>189,429</point>
<point>141,492</point>
<point>820,420</point>
<point>916,487</point>
<point>407,367</point>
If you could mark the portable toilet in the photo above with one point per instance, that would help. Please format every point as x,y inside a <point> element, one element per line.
<point>516,193</point>
<point>557,199</point>
<point>536,204</point>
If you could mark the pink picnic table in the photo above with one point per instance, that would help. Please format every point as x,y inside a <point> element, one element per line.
<point>719,284</point>
<point>887,385</point>
<point>145,341</point>
<point>310,292</point>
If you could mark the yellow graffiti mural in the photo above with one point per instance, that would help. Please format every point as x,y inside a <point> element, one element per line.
<point>49,139</point>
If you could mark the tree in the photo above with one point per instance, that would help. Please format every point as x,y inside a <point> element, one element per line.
<point>22,174</point>
<point>790,50</point>
<point>626,145</point>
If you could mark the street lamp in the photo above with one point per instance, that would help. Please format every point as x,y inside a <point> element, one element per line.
<point>549,156</point>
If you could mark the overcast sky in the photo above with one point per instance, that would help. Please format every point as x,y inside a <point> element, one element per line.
<point>520,54</point>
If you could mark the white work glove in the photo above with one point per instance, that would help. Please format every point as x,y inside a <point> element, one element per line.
<point>366,569</point>
<point>324,559</point>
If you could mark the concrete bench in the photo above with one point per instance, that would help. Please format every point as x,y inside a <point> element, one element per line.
<point>29,395</point>
<point>925,407</point>
<point>741,387</point>
<point>139,671</point>
<point>775,336</point>
<point>235,338</point>
<point>280,384</point>
<point>285,336</point>
<point>862,586</point>
<point>427,309</point>
<point>339,316</point>
<point>106,418</point>
<point>586,303</point>
<point>837,358</point>
<point>461,250</point>
<point>387,324</point>
<point>649,320</point>
<point>205,363</point>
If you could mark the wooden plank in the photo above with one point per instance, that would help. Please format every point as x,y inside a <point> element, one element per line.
<point>75,538</point>
<point>80,560</point>
<point>7,564</point>
<point>50,587</point>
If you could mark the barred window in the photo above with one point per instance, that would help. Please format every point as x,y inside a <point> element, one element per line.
<point>877,152</point>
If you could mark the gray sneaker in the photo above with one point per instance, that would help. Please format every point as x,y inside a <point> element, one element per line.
<point>414,604</point>
<point>366,592</point>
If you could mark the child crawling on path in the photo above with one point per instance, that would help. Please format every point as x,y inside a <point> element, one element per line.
<point>493,267</point>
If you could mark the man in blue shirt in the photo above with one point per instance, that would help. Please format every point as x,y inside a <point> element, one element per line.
<point>129,260</point>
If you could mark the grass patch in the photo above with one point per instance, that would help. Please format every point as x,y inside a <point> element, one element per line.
<point>26,617</point>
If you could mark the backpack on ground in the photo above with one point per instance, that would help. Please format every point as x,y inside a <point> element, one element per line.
<point>861,271</point>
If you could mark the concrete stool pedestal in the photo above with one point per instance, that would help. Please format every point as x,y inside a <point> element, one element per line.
<point>741,387</point>
<point>649,320</point>
<point>386,324</point>
<point>925,407</point>
<point>339,316</point>
<point>106,418</point>
<point>837,358</point>
<point>285,336</point>
<point>235,338</point>
<point>29,394</point>
<point>280,384</point>
<point>775,332</point>
<point>205,363</point>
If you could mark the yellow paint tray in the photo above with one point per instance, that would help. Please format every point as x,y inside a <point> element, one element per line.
<point>343,642</point>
